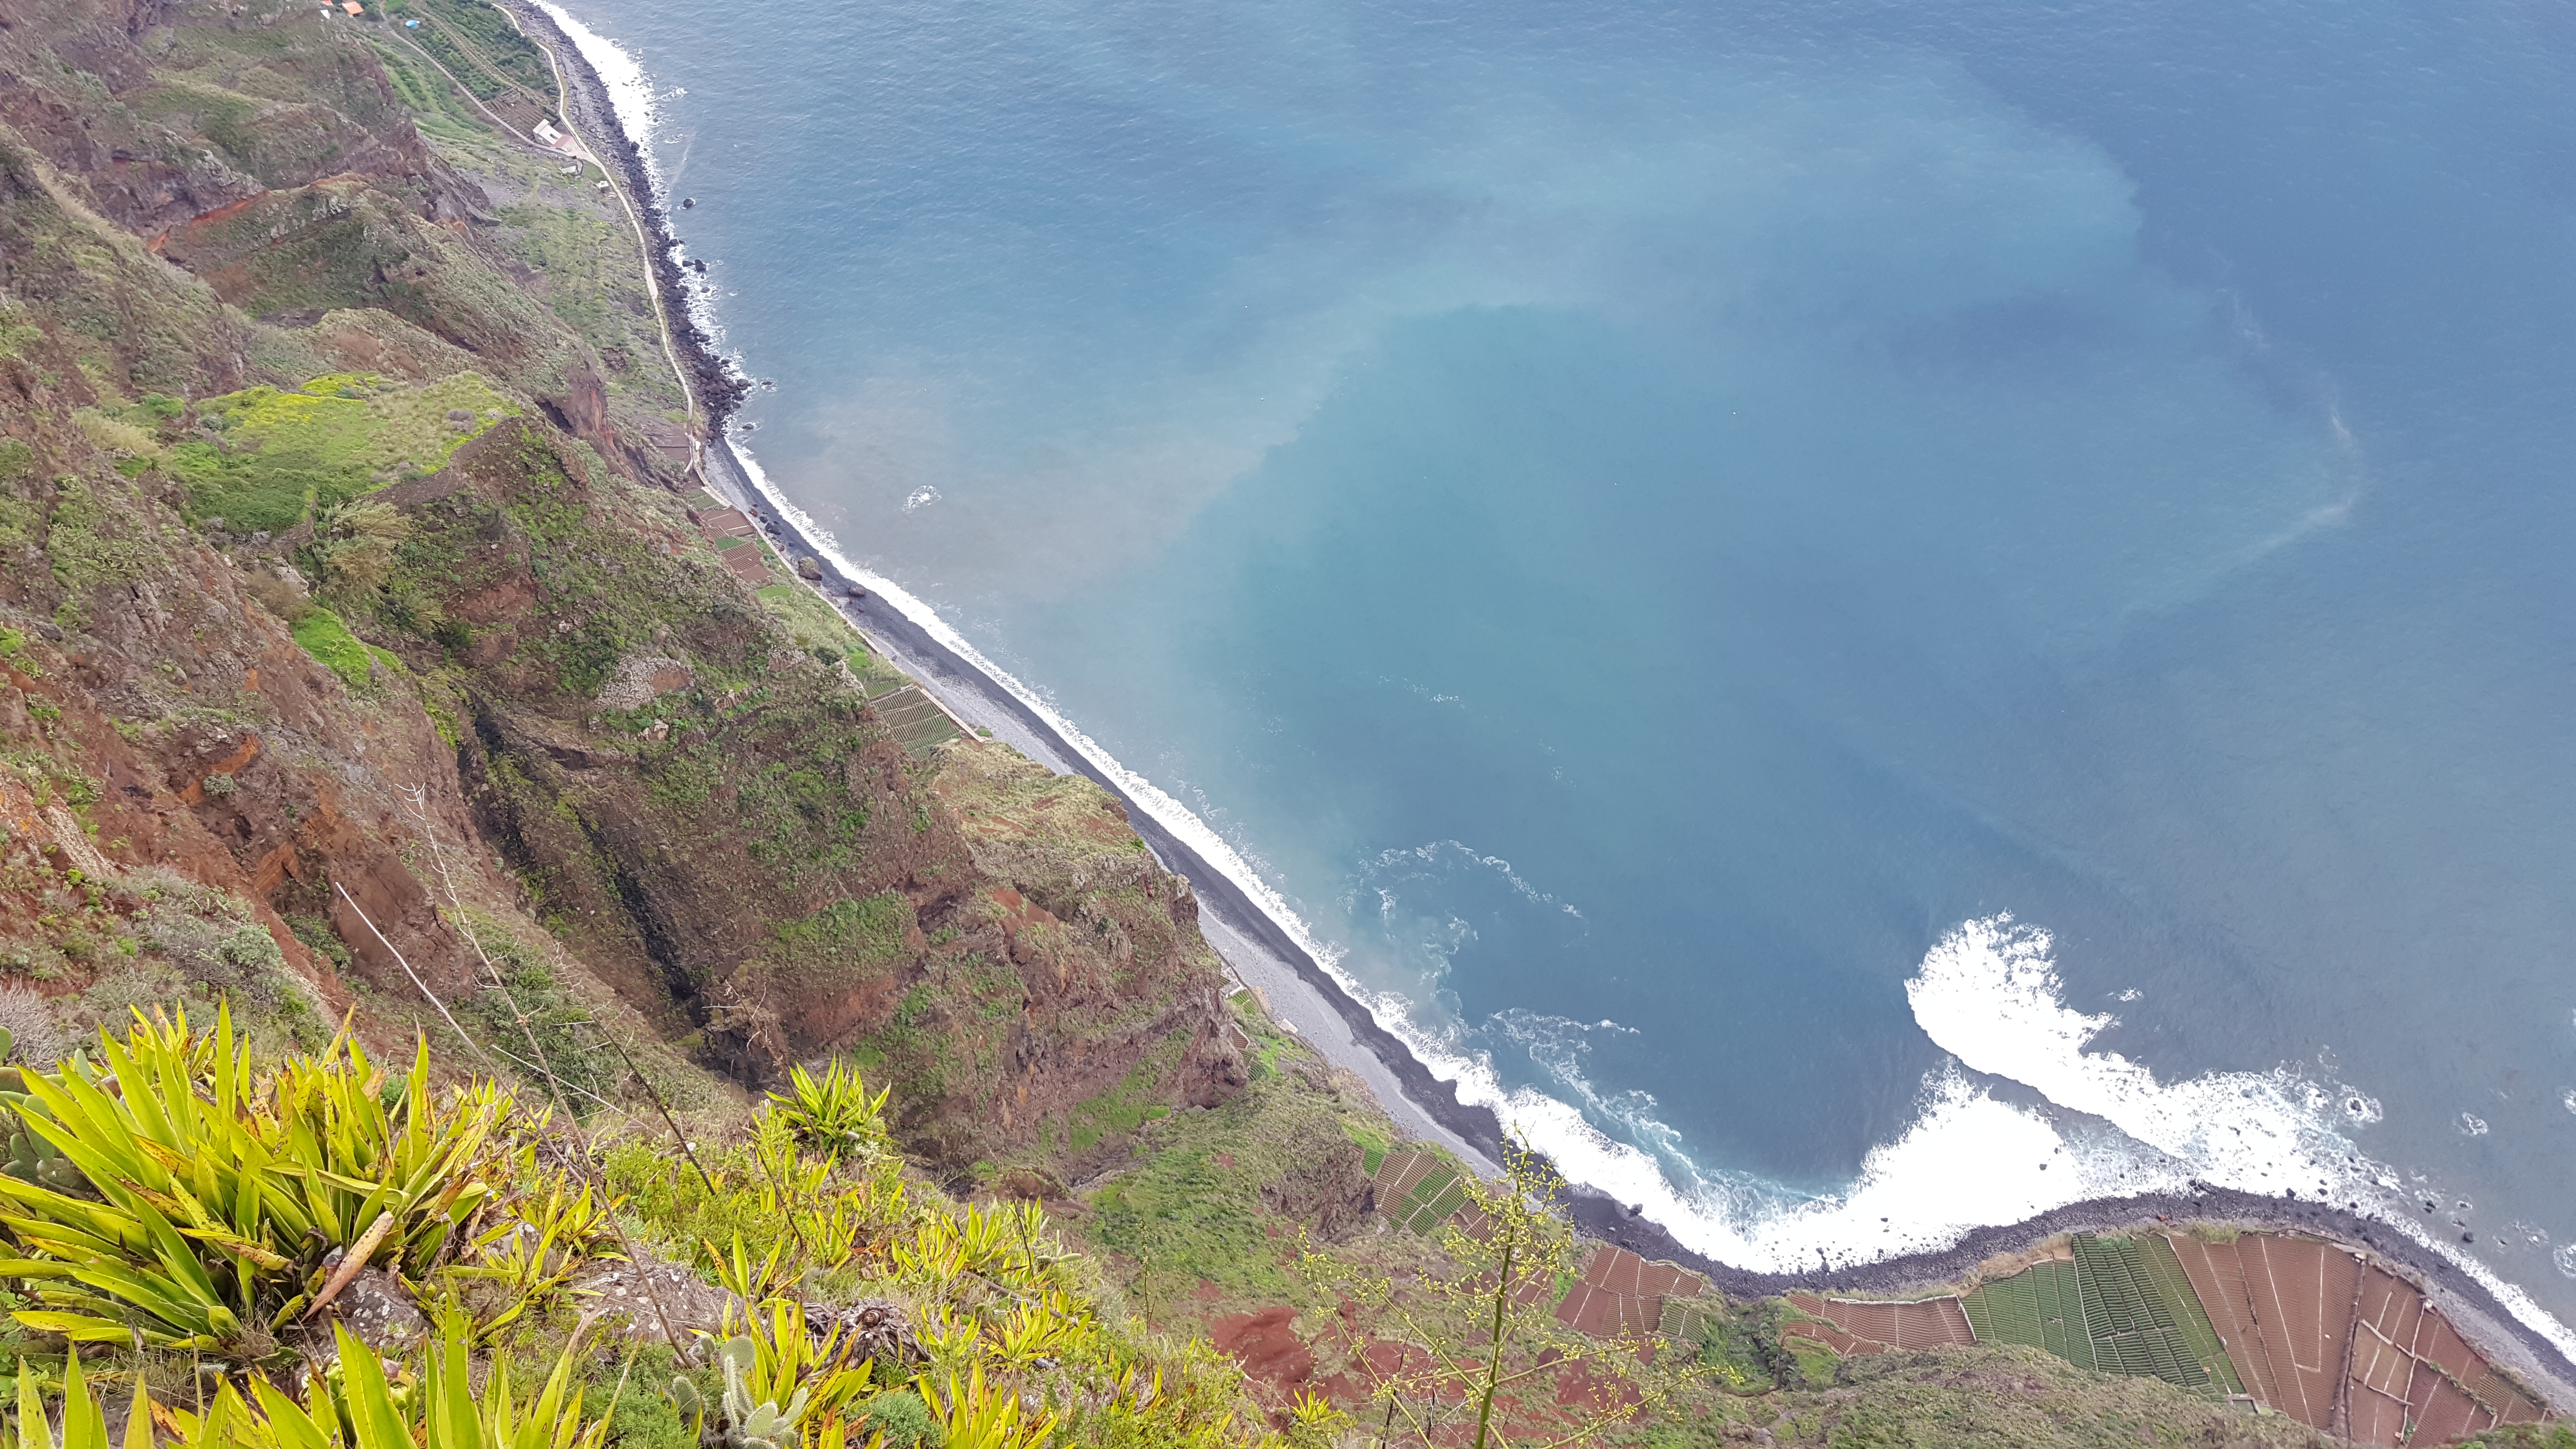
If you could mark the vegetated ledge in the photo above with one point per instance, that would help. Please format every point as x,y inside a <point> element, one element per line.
<point>717,384</point>
<point>720,388</point>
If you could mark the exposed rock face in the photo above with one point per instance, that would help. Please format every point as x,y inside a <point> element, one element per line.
<point>211,742</point>
<point>380,1312</point>
<point>745,854</point>
<point>201,126</point>
<point>553,722</point>
<point>327,199</point>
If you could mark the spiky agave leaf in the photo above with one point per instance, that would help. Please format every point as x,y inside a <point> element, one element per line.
<point>215,1185</point>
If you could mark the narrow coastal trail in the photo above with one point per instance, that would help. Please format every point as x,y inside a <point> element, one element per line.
<point>624,185</point>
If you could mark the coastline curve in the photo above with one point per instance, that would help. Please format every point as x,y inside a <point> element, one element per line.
<point>944,663</point>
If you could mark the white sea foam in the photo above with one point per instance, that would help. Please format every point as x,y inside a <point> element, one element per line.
<point>1443,855</point>
<point>630,90</point>
<point>1987,993</point>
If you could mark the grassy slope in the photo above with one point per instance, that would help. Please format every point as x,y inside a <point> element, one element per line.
<point>573,241</point>
<point>265,458</point>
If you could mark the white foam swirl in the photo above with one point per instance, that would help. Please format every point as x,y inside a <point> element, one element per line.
<point>1989,994</point>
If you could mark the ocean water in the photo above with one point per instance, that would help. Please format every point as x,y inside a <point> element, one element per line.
<point>1871,617</point>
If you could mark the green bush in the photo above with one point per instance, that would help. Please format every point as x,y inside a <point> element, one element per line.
<point>327,639</point>
<point>904,1420</point>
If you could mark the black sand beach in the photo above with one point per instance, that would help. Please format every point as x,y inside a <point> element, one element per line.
<point>720,387</point>
<point>2476,1309</point>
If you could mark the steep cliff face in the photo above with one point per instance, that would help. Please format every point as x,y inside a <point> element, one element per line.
<point>352,659</point>
<point>158,715</point>
<point>718,822</point>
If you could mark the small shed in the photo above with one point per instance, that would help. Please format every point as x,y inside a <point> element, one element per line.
<point>353,8</point>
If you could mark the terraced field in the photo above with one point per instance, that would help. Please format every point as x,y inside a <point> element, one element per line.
<point>2119,1305</point>
<point>1418,1190</point>
<point>919,725</point>
<point>2293,1325</point>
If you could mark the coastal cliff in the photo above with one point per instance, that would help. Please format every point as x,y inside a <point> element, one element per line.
<point>373,653</point>
<point>347,584</point>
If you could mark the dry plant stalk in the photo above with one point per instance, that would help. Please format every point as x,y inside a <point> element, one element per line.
<point>416,802</point>
<point>1480,1347</point>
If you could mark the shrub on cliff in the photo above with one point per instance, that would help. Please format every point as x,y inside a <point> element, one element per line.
<point>327,639</point>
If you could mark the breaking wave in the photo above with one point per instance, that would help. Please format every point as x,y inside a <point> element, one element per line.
<point>1987,993</point>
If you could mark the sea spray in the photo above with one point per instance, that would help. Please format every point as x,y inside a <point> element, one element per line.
<point>1988,993</point>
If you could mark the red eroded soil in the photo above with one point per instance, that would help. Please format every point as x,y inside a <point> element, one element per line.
<point>1267,1345</point>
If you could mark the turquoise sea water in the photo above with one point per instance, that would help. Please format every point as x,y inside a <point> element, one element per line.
<point>1651,531</point>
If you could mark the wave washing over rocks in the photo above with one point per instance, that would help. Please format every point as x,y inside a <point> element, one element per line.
<point>1963,1185</point>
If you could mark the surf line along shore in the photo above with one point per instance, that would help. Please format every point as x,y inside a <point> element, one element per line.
<point>1261,952</point>
<point>1301,994</point>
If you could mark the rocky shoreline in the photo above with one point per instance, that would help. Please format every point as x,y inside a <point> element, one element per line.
<point>716,385</point>
<point>720,388</point>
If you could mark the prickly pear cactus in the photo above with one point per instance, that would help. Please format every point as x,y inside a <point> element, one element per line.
<point>32,1159</point>
<point>740,1423</point>
<point>689,1404</point>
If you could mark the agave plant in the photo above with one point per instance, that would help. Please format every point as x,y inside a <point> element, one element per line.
<point>981,1416</point>
<point>999,1242</point>
<point>1055,1325</point>
<point>84,1425</point>
<point>834,1116</point>
<point>538,1246</point>
<point>832,1214</point>
<point>218,1195</point>
<point>367,1412</point>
